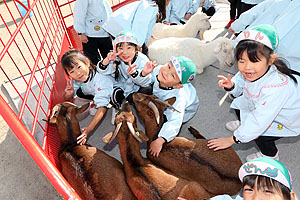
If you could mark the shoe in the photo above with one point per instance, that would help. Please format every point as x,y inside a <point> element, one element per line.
<point>92,109</point>
<point>114,113</point>
<point>233,125</point>
<point>259,155</point>
<point>229,23</point>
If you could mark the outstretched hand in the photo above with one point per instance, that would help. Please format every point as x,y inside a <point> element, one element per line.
<point>69,90</point>
<point>220,143</point>
<point>149,67</point>
<point>225,82</point>
<point>81,139</point>
<point>113,54</point>
<point>131,69</point>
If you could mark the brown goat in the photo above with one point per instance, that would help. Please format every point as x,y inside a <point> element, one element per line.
<point>146,180</point>
<point>216,171</point>
<point>91,172</point>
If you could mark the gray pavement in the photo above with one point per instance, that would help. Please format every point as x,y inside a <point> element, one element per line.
<point>20,172</point>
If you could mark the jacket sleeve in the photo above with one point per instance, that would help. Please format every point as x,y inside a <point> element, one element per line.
<point>270,103</point>
<point>80,9</point>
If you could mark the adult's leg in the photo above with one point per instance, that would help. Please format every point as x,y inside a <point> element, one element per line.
<point>90,50</point>
<point>104,46</point>
<point>266,145</point>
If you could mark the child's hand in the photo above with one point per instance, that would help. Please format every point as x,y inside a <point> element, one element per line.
<point>131,69</point>
<point>83,38</point>
<point>156,146</point>
<point>187,16</point>
<point>81,139</point>
<point>69,90</point>
<point>111,56</point>
<point>149,67</point>
<point>220,143</point>
<point>225,82</point>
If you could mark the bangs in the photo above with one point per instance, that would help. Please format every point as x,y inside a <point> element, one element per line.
<point>254,50</point>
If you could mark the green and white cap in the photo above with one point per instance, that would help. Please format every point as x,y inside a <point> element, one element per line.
<point>264,33</point>
<point>185,68</point>
<point>126,36</point>
<point>267,167</point>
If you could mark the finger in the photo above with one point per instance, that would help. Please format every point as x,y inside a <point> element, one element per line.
<point>119,53</point>
<point>222,77</point>
<point>229,77</point>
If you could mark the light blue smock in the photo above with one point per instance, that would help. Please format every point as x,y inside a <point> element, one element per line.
<point>269,106</point>
<point>91,13</point>
<point>177,10</point>
<point>187,103</point>
<point>139,17</point>
<point>100,86</point>
<point>128,83</point>
<point>226,197</point>
<point>252,2</point>
<point>284,15</point>
<point>207,4</point>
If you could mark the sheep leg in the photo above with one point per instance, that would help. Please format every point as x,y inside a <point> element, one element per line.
<point>201,34</point>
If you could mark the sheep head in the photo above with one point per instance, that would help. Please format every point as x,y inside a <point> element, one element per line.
<point>224,52</point>
<point>64,116</point>
<point>125,120</point>
<point>200,20</point>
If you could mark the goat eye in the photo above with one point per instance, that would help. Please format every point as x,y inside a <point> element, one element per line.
<point>150,113</point>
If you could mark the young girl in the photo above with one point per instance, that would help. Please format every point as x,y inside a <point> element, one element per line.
<point>125,63</point>
<point>264,178</point>
<point>86,82</point>
<point>270,96</point>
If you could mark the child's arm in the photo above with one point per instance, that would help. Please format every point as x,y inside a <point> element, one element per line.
<point>86,130</point>
<point>142,77</point>
<point>69,90</point>
<point>234,86</point>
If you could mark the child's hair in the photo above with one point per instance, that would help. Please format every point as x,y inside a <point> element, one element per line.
<point>117,61</point>
<point>70,60</point>
<point>266,182</point>
<point>254,49</point>
<point>161,10</point>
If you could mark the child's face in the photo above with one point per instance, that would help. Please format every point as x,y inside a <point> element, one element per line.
<point>168,76</point>
<point>80,72</point>
<point>128,52</point>
<point>261,194</point>
<point>253,70</point>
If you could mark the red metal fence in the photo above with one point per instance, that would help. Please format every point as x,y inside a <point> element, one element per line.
<point>33,36</point>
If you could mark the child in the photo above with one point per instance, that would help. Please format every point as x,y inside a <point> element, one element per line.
<point>208,6</point>
<point>89,17</point>
<point>125,63</point>
<point>173,80</point>
<point>264,178</point>
<point>270,97</point>
<point>179,11</point>
<point>86,82</point>
<point>139,17</point>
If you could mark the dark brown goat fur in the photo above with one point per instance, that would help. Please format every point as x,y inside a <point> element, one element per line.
<point>146,180</point>
<point>216,171</point>
<point>91,172</point>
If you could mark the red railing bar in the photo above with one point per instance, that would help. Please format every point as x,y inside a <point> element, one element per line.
<point>68,3</point>
<point>21,4</point>
<point>36,152</point>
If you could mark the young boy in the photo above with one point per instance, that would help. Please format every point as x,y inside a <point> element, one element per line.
<point>173,80</point>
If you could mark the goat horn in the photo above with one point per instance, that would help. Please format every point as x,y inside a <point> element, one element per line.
<point>167,104</point>
<point>71,104</point>
<point>115,132</point>
<point>155,110</point>
<point>132,131</point>
<point>54,110</point>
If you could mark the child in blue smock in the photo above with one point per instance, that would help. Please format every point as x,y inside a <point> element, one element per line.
<point>179,11</point>
<point>173,80</point>
<point>263,178</point>
<point>86,83</point>
<point>281,14</point>
<point>138,17</point>
<point>125,64</point>
<point>89,17</point>
<point>268,94</point>
<point>208,6</point>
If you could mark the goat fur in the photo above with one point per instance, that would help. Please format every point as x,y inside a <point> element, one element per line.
<point>203,54</point>
<point>146,180</point>
<point>216,171</point>
<point>91,172</point>
<point>199,22</point>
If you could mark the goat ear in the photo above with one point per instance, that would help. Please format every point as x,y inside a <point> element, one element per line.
<point>141,135</point>
<point>82,108</point>
<point>52,120</point>
<point>107,137</point>
<point>218,48</point>
<point>171,100</point>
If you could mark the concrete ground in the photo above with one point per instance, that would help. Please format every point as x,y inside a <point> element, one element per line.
<point>22,179</point>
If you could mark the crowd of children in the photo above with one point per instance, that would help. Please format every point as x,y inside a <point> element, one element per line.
<point>266,88</point>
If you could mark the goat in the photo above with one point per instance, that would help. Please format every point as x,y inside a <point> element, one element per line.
<point>216,171</point>
<point>198,22</point>
<point>201,53</point>
<point>91,172</point>
<point>146,180</point>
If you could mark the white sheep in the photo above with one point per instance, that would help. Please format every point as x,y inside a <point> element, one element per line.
<point>202,53</point>
<point>198,22</point>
